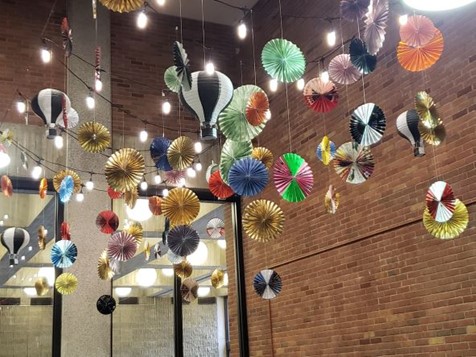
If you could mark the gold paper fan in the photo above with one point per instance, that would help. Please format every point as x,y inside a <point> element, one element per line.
<point>181,153</point>
<point>264,155</point>
<point>41,286</point>
<point>104,268</point>
<point>41,237</point>
<point>94,137</point>
<point>66,283</point>
<point>433,136</point>
<point>451,228</point>
<point>62,174</point>
<point>181,206</point>
<point>426,109</point>
<point>125,169</point>
<point>122,5</point>
<point>218,278</point>
<point>130,197</point>
<point>136,230</point>
<point>263,220</point>
<point>183,269</point>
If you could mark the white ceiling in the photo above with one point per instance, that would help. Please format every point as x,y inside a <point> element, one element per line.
<point>213,10</point>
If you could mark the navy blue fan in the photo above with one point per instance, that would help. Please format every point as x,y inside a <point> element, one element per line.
<point>267,284</point>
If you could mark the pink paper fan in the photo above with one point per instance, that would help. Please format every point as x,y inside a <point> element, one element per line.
<point>320,96</point>
<point>375,24</point>
<point>440,201</point>
<point>174,177</point>
<point>418,31</point>
<point>121,246</point>
<point>342,71</point>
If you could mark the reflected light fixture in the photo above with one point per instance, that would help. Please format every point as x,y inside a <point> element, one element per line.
<point>4,157</point>
<point>221,243</point>
<point>48,273</point>
<point>168,272</point>
<point>200,255</point>
<point>203,291</point>
<point>160,2</point>
<point>433,5</point>
<point>30,291</point>
<point>122,291</point>
<point>140,212</point>
<point>146,277</point>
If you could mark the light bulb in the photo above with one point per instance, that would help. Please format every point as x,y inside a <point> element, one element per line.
<point>144,185</point>
<point>122,291</point>
<point>2,223</point>
<point>198,147</point>
<point>4,159</point>
<point>403,19</point>
<point>181,182</point>
<point>143,135</point>
<point>166,107</point>
<point>157,179</point>
<point>36,172</point>
<point>210,68</point>
<point>242,30</point>
<point>198,166</point>
<point>273,85</point>
<point>165,192</point>
<point>89,185</point>
<point>21,106</point>
<point>331,38</point>
<point>267,115</point>
<point>432,5</point>
<point>146,277</point>
<point>90,102</point>
<point>300,84</point>
<point>80,196</point>
<point>191,172</point>
<point>98,85</point>
<point>46,55</point>
<point>203,291</point>
<point>221,243</point>
<point>324,76</point>
<point>59,142</point>
<point>6,216</point>
<point>200,255</point>
<point>160,2</point>
<point>142,20</point>
<point>29,291</point>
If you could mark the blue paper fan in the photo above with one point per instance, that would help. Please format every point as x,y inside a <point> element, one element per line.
<point>63,254</point>
<point>66,189</point>
<point>332,152</point>
<point>267,284</point>
<point>248,177</point>
<point>158,152</point>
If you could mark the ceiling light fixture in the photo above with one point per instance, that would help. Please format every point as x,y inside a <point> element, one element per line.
<point>432,5</point>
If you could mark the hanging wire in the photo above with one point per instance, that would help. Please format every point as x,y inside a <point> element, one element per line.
<point>281,19</point>
<point>253,44</point>
<point>203,33</point>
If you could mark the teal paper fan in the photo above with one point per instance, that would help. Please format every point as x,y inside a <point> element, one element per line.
<point>231,152</point>
<point>171,79</point>
<point>283,60</point>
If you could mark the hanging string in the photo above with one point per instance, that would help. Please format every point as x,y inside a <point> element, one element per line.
<point>253,44</point>
<point>363,75</point>
<point>48,19</point>
<point>241,72</point>
<point>281,19</point>
<point>203,34</point>
<point>181,22</point>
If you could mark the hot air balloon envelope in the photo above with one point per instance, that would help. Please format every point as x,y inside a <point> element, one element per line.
<point>48,104</point>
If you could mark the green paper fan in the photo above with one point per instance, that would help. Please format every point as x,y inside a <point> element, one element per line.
<point>171,79</point>
<point>283,60</point>
<point>232,120</point>
<point>293,177</point>
<point>232,151</point>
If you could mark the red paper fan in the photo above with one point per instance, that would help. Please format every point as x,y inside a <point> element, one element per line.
<point>320,96</point>
<point>218,187</point>
<point>155,205</point>
<point>418,31</point>
<point>107,222</point>
<point>256,108</point>
<point>7,187</point>
<point>440,201</point>
<point>65,233</point>
<point>121,246</point>
<point>113,194</point>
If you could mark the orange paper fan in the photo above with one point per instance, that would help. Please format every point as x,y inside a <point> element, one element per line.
<point>415,59</point>
<point>43,188</point>
<point>7,187</point>
<point>256,108</point>
<point>219,188</point>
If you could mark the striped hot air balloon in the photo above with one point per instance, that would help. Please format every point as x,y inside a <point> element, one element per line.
<point>15,239</point>
<point>209,95</point>
<point>49,105</point>
<point>407,127</point>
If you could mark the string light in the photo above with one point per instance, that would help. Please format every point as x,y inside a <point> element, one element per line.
<point>267,115</point>
<point>36,172</point>
<point>157,178</point>
<point>90,184</point>
<point>166,107</point>
<point>4,157</point>
<point>21,106</point>
<point>59,142</point>
<point>210,68</point>
<point>198,147</point>
<point>300,84</point>
<point>331,38</point>
<point>324,76</point>
<point>160,2</point>
<point>46,54</point>
<point>191,172</point>
<point>198,166</point>
<point>80,196</point>
<point>403,19</point>
<point>142,19</point>
<point>181,182</point>
<point>165,192</point>
<point>144,185</point>
<point>90,102</point>
<point>6,216</point>
<point>143,135</point>
<point>242,30</point>
<point>273,85</point>
<point>98,85</point>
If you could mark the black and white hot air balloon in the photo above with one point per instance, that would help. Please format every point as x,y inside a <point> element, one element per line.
<point>15,239</point>
<point>50,104</point>
<point>407,127</point>
<point>208,96</point>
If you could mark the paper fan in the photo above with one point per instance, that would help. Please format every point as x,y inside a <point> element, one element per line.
<point>248,177</point>
<point>183,240</point>
<point>113,194</point>
<point>181,66</point>
<point>124,169</point>
<point>342,71</point>
<point>293,177</point>
<point>218,278</point>
<point>210,170</point>
<point>41,238</point>
<point>123,5</point>
<point>426,109</point>
<point>440,201</point>
<point>107,222</point>
<point>66,283</point>
<point>136,230</point>
<point>175,177</point>
<point>353,10</point>
<point>66,189</point>
<point>130,198</point>
<point>367,124</point>
<point>433,136</point>
<point>155,203</point>
<point>189,290</point>
<point>320,96</point>
<point>231,152</point>
<point>41,286</point>
<point>256,108</point>
<point>68,120</point>
<point>417,31</point>
<point>63,254</point>
<point>408,128</point>
<point>174,258</point>
<point>58,178</point>
<point>267,284</point>
<point>326,150</point>
<point>65,231</point>
<point>451,228</point>
<point>263,220</point>
<point>106,304</point>
<point>360,58</point>
<point>183,269</point>
<point>121,246</point>
<point>158,152</point>
<point>264,155</point>
<point>218,187</point>
<point>415,59</point>
<point>43,188</point>
<point>375,25</point>
<point>283,60</point>
<point>171,79</point>
<point>233,120</point>
<point>181,153</point>
<point>331,200</point>
<point>354,163</point>
<point>181,206</point>
<point>216,228</point>
<point>94,137</point>
<point>104,269</point>
<point>7,186</point>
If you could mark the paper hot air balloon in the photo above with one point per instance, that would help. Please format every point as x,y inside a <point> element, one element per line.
<point>15,239</point>
<point>49,104</point>
<point>407,127</point>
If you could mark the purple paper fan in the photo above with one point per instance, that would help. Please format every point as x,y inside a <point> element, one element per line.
<point>353,10</point>
<point>121,246</point>
<point>183,240</point>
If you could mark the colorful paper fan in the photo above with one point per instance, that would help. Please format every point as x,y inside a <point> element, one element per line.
<point>175,177</point>
<point>181,153</point>
<point>233,120</point>
<point>283,60</point>
<point>256,108</point>
<point>136,230</point>
<point>264,155</point>
<point>320,96</point>
<point>331,200</point>
<point>353,10</point>
<point>293,177</point>
<point>104,268</point>
<point>367,124</point>
<point>124,169</point>
<point>342,71</point>
<point>189,290</point>
<point>43,188</point>
<point>181,66</point>
<point>375,25</point>
<point>263,220</point>
<point>7,186</point>
<point>183,240</point>
<point>231,152</point>
<point>326,150</point>
<point>171,79</point>
<point>63,254</point>
<point>417,31</point>
<point>440,201</point>
<point>451,228</point>
<point>106,304</point>
<point>113,194</point>
<point>408,128</point>
<point>121,246</point>
<point>183,269</point>
<point>66,189</point>
<point>218,187</point>
<point>216,228</point>
<point>174,258</point>
<point>66,283</point>
<point>415,59</point>
<point>123,5</point>
<point>158,152</point>
<point>155,203</point>
<point>181,206</point>
<point>107,222</point>
<point>210,170</point>
<point>267,284</point>
<point>433,136</point>
<point>248,177</point>
<point>130,198</point>
<point>426,109</point>
<point>58,178</point>
<point>360,57</point>
<point>354,163</point>
<point>94,137</point>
